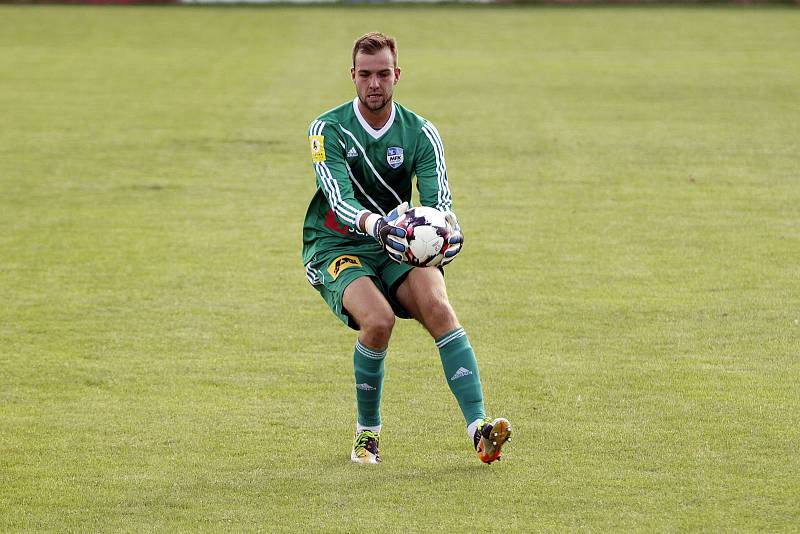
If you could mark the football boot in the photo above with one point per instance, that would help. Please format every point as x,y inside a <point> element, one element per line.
<point>489,438</point>
<point>365,448</point>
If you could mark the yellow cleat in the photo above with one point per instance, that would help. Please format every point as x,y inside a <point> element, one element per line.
<point>365,448</point>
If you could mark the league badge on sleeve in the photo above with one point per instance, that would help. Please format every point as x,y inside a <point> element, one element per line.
<point>394,156</point>
<point>317,148</point>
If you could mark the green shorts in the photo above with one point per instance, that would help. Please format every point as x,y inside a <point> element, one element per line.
<point>332,270</point>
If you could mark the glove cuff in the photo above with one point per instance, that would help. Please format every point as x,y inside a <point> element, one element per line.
<point>370,223</point>
<point>450,216</point>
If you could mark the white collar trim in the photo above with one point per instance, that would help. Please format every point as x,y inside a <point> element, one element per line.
<point>376,134</point>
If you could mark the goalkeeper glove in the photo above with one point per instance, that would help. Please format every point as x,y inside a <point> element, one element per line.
<point>390,237</point>
<point>456,238</point>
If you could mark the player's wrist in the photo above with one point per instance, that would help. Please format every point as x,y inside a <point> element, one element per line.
<point>371,223</point>
<point>361,218</point>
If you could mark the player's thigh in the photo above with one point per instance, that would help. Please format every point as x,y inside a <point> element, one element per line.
<point>332,272</point>
<point>424,294</point>
<point>367,305</point>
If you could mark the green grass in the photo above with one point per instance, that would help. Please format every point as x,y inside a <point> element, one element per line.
<point>629,185</point>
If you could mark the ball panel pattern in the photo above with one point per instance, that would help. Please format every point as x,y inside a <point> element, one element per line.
<point>427,232</point>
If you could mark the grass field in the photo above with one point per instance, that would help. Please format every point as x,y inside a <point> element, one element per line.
<point>629,185</point>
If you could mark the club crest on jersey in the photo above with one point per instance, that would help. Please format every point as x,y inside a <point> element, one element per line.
<point>394,156</point>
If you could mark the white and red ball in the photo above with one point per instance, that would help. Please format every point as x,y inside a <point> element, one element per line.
<point>427,232</point>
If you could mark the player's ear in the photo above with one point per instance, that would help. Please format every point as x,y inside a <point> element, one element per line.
<point>396,75</point>
<point>353,73</point>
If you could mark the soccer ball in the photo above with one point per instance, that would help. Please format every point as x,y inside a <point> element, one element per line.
<point>427,232</point>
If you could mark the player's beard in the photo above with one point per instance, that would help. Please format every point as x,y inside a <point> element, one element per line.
<point>376,107</point>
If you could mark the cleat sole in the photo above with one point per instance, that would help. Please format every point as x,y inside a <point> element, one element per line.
<point>489,451</point>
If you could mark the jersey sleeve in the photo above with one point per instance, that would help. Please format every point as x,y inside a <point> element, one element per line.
<point>431,170</point>
<point>328,158</point>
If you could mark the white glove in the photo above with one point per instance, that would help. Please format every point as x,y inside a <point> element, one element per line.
<point>456,238</point>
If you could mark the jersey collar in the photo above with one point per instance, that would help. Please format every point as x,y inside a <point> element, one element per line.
<point>376,134</point>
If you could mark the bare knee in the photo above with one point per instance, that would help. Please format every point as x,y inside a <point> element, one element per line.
<point>376,328</point>
<point>438,316</point>
<point>367,306</point>
<point>424,295</point>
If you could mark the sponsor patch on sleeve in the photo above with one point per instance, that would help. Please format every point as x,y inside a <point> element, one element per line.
<point>341,263</point>
<point>317,147</point>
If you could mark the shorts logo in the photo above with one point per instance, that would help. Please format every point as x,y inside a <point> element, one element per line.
<point>394,156</point>
<point>341,263</point>
<point>317,148</point>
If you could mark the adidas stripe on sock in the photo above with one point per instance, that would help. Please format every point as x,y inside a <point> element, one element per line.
<point>461,373</point>
<point>368,370</point>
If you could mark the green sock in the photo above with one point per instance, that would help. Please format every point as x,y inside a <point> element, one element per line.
<point>368,364</point>
<point>461,373</point>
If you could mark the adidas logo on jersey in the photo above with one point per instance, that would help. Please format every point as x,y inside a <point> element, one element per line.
<point>352,152</point>
<point>365,387</point>
<point>462,372</point>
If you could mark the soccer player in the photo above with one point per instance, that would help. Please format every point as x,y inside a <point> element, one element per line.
<point>365,154</point>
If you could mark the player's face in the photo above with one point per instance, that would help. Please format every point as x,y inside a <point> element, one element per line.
<point>375,76</point>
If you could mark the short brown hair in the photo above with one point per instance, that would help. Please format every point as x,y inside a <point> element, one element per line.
<point>372,43</point>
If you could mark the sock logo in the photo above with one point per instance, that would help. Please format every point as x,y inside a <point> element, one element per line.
<point>365,387</point>
<point>462,372</point>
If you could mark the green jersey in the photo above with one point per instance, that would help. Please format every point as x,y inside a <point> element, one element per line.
<point>359,169</point>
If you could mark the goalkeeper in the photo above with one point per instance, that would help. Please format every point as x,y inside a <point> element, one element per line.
<point>365,153</point>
